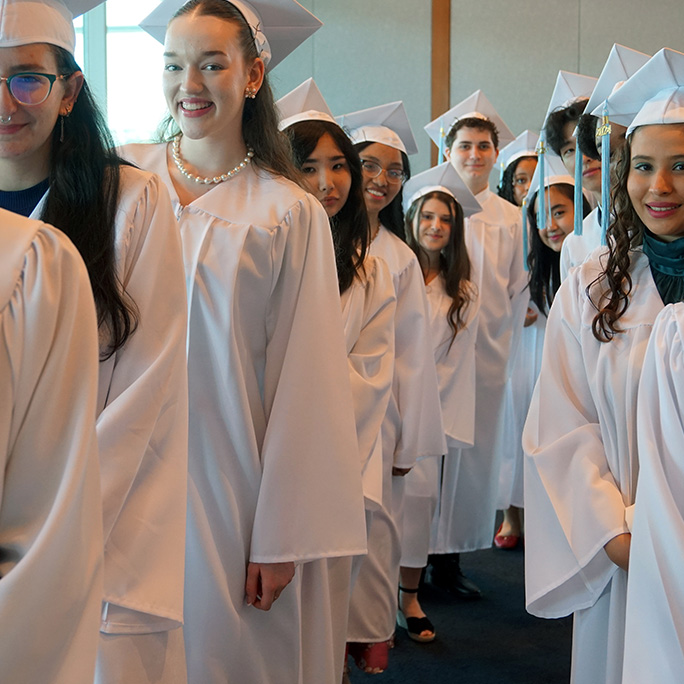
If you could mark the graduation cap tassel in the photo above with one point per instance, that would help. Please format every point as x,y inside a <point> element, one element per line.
<point>541,208</point>
<point>604,132</point>
<point>578,190</point>
<point>441,141</point>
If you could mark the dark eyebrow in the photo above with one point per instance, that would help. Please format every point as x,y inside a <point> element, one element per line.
<point>556,206</point>
<point>27,67</point>
<point>207,53</point>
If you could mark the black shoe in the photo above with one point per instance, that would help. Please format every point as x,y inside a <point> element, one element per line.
<point>449,577</point>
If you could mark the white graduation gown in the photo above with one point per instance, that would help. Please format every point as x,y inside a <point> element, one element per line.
<point>654,630</point>
<point>274,470</point>
<point>576,248</point>
<point>50,509</point>
<point>411,430</point>
<point>455,364</point>
<point>470,477</point>
<point>142,439</point>
<point>368,307</point>
<point>581,467</point>
<point>517,397</point>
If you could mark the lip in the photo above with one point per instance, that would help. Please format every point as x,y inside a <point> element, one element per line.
<point>379,196</point>
<point>10,129</point>
<point>591,172</point>
<point>330,199</point>
<point>661,210</point>
<point>195,113</point>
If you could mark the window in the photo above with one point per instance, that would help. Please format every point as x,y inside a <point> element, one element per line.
<point>123,66</point>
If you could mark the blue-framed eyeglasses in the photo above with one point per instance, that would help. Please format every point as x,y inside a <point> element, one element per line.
<point>30,88</point>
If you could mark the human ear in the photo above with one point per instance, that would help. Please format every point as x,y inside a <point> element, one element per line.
<point>72,89</point>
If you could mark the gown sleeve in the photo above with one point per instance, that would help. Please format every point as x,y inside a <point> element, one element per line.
<point>654,631</point>
<point>371,368</point>
<point>573,504</point>
<point>50,510</point>
<point>310,502</point>
<point>142,425</point>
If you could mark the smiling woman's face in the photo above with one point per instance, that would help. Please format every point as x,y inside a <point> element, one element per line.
<point>656,178</point>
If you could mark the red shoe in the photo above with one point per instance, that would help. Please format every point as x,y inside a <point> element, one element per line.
<point>371,658</point>
<point>507,542</point>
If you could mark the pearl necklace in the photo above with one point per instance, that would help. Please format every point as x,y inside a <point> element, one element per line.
<point>180,165</point>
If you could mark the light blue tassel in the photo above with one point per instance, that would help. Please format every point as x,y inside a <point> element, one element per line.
<point>604,132</point>
<point>541,195</point>
<point>578,190</point>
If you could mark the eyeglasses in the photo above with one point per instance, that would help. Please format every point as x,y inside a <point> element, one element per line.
<point>29,88</point>
<point>373,170</point>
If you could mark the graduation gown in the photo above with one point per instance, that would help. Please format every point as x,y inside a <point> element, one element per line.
<point>455,364</point>
<point>494,241</point>
<point>50,508</point>
<point>368,307</point>
<point>412,429</point>
<point>517,397</point>
<point>654,631</point>
<point>273,456</point>
<point>576,248</point>
<point>581,465</point>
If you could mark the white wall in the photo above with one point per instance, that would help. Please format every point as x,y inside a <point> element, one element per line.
<point>372,52</point>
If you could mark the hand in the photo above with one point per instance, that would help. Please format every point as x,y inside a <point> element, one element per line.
<point>265,582</point>
<point>530,317</point>
<point>400,472</point>
<point>618,549</point>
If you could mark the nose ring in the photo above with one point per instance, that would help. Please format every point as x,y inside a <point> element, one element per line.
<point>5,119</point>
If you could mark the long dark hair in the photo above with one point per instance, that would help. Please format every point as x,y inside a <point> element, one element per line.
<point>543,263</point>
<point>454,262</point>
<point>84,193</point>
<point>392,216</point>
<point>505,188</point>
<point>350,227</point>
<point>625,232</point>
<point>259,118</point>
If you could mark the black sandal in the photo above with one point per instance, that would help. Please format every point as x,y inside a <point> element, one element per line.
<point>415,626</point>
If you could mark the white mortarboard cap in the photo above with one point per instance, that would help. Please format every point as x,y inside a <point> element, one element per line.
<point>569,88</point>
<point>653,95</point>
<point>387,124</point>
<point>622,63</point>
<point>525,145</point>
<point>554,173</point>
<point>304,103</point>
<point>442,178</point>
<point>476,105</point>
<point>278,26</point>
<point>41,21</point>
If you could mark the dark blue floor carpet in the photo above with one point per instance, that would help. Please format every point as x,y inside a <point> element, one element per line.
<point>491,641</point>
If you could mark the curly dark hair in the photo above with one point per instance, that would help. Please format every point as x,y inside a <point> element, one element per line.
<point>586,136</point>
<point>557,121</point>
<point>454,261</point>
<point>505,188</point>
<point>350,227</point>
<point>625,232</point>
<point>392,216</point>
<point>473,122</point>
<point>260,117</point>
<point>542,262</point>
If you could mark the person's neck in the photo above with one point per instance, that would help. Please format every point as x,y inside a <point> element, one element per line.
<point>429,263</point>
<point>21,174</point>
<point>374,222</point>
<point>210,157</point>
<point>476,189</point>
